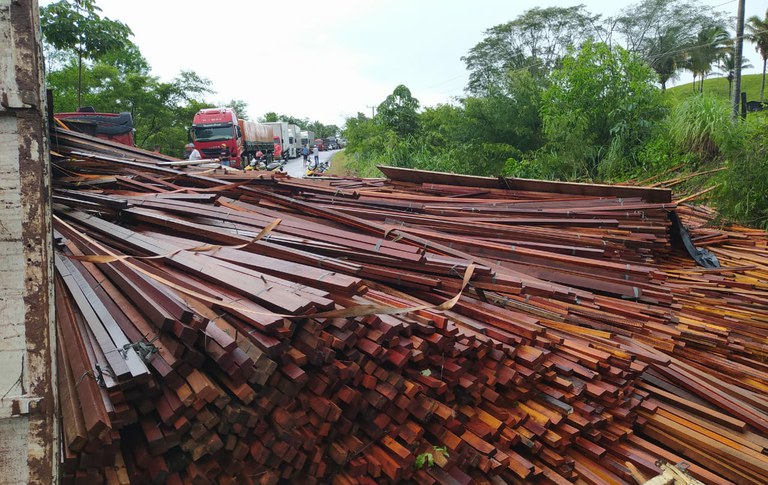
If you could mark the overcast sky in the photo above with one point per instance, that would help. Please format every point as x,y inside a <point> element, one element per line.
<point>329,59</point>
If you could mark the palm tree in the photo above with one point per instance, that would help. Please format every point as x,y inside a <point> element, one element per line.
<point>711,42</point>
<point>665,54</point>
<point>758,33</point>
<point>727,66</point>
<point>685,63</point>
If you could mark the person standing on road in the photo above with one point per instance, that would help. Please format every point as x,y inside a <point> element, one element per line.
<point>316,155</point>
<point>191,152</point>
<point>305,154</point>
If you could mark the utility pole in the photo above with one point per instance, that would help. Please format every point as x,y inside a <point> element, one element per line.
<point>373,110</point>
<point>737,60</point>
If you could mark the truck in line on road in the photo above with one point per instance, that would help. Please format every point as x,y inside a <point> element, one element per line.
<point>287,136</point>
<point>219,133</point>
<point>116,127</point>
<point>307,137</point>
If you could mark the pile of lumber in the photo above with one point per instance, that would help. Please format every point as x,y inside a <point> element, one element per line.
<point>429,327</point>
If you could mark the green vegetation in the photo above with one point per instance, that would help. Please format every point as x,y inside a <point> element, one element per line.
<point>78,29</point>
<point>743,194</point>
<point>92,62</point>
<point>559,93</point>
<point>718,87</point>
<point>588,118</point>
<point>339,164</point>
<point>701,125</point>
<point>757,32</point>
<point>535,41</point>
<point>428,458</point>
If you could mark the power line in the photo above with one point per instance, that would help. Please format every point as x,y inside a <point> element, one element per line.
<point>446,81</point>
<point>689,48</point>
<point>722,4</point>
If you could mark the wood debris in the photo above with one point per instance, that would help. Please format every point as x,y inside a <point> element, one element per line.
<point>201,342</point>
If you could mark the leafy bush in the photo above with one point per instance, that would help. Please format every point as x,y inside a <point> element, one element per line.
<point>428,458</point>
<point>523,167</point>
<point>661,153</point>
<point>600,107</point>
<point>543,164</point>
<point>743,194</point>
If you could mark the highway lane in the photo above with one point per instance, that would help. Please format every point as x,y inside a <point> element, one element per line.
<point>296,168</point>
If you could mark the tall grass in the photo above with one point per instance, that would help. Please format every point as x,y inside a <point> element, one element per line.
<point>416,152</point>
<point>743,194</point>
<point>701,124</point>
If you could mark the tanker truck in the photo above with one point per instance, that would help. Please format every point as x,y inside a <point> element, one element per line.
<point>218,133</point>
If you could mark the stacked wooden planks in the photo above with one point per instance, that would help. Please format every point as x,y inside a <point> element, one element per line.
<point>582,342</point>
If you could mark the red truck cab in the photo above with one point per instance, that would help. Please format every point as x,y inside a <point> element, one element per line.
<point>319,144</point>
<point>216,134</point>
<point>116,127</point>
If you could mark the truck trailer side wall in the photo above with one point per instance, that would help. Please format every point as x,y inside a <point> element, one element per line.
<point>288,135</point>
<point>307,138</point>
<point>29,433</point>
<point>256,138</point>
<point>256,132</point>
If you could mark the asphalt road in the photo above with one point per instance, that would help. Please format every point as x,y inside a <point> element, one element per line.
<point>295,167</point>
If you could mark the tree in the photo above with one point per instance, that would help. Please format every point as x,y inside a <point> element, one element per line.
<point>727,66</point>
<point>600,108</point>
<point>317,128</point>
<point>647,20</point>
<point>711,43</point>
<point>302,123</point>
<point>368,140</point>
<point>399,111</point>
<point>512,118</point>
<point>269,117</point>
<point>162,111</point>
<point>77,27</point>
<point>661,32</point>
<point>534,41</point>
<point>757,32</point>
<point>323,131</point>
<point>445,124</point>
<point>117,78</point>
<point>664,54</point>
<point>240,107</point>
<point>165,113</point>
<point>127,60</point>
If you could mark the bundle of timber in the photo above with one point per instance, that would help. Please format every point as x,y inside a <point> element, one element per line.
<point>429,328</point>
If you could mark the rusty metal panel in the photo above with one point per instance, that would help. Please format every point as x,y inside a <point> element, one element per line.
<point>28,422</point>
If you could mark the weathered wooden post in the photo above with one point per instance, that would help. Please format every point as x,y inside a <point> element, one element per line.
<point>28,423</point>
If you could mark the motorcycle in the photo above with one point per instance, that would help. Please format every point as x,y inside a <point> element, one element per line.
<point>268,164</point>
<point>317,168</point>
